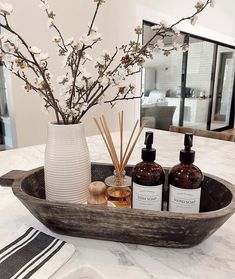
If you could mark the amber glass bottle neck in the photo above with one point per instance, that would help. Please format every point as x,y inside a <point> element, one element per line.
<point>186,164</point>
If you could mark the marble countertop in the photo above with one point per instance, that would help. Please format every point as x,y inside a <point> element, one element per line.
<point>214,258</point>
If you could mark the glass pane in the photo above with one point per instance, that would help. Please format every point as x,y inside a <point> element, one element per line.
<point>161,81</point>
<point>198,85</point>
<point>3,100</point>
<point>223,89</point>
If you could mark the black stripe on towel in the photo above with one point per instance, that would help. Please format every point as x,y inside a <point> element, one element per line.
<point>20,258</point>
<point>19,246</point>
<point>15,241</point>
<point>43,262</point>
<point>38,258</point>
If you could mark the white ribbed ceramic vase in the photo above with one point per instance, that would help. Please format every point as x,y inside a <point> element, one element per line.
<point>67,164</point>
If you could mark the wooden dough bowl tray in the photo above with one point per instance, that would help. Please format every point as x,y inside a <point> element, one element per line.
<point>166,229</point>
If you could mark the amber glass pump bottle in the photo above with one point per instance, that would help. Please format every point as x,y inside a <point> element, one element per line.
<point>147,179</point>
<point>185,180</point>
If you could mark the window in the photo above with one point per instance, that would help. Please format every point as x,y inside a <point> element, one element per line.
<point>194,89</point>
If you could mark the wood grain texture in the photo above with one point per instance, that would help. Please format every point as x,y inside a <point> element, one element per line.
<point>8,179</point>
<point>203,133</point>
<point>154,228</point>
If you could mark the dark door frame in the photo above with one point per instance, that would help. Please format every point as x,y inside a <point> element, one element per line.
<point>212,80</point>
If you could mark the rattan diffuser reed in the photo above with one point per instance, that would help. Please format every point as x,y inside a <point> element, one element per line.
<point>120,161</point>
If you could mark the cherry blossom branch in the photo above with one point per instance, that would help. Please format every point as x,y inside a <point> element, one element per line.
<point>8,28</point>
<point>83,90</point>
<point>170,28</point>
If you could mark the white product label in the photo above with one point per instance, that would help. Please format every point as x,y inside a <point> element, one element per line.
<point>147,197</point>
<point>184,200</point>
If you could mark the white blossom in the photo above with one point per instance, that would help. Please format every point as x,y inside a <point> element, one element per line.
<point>35,50</point>
<point>65,89</point>
<point>185,47</point>
<point>63,105</point>
<point>194,19</point>
<point>87,56</point>
<point>11,38</point>
<point>10,42</point>
<point>72,112</point>
<point>66,57</point>
<point>94,27</point>
<point>200,2</point>
<point>129,70</point>
<point>79,83</point>
<point>106,54</point>
<point>49,76</point>
<point>123,89</point>
<point>66,96</point>
<point>176,31</point>
<point>101,99</point>
<point>155,27</point>
<point>132,88</point>
<point>62,79</point>
<point>159,44</point>
<point>86,75</point>
<point>8,58</point>
<point>90,82</point>
<point>78,45</point>
<point>212,3</point>
<point>43,56</point>
<point>75,100</point>
<point>176,45</point>
<point>69,41</point>
<point>97,37</point>
<point>44,5</point>
<point>64,61</point>
<point>100,60</point>
<point>50,23</point>
<point>104,81</point>
<point>84,106</point>
<point>51,13</point>
<point>164,24</point>
<point>119,76</point>
<point>9,61</point>
<point>39,80</point>
<point>88,40</point>
<point>56,39</point>
<point>14,40</point>
<point>122,73</point>
<point>7,46</point>
<point>6,8</point>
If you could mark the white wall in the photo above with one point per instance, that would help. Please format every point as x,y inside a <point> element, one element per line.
<point>217,23</point>
<point>116,21</point>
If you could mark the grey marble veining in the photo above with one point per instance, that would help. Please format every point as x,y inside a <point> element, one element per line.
<point>214,258</point>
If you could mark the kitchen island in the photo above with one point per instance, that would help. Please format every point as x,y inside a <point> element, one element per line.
<point>195,110</point>
<point>214,258</point>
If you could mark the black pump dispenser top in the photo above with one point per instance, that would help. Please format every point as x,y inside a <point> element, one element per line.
<point>148,153</point>
<point>187,155</point>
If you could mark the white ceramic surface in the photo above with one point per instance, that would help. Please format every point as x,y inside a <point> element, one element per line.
<point>67,164</point>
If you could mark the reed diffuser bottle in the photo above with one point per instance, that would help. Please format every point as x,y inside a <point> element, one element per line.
<point>185,180</point>
<point>119,184</point>
<point>148,179</point>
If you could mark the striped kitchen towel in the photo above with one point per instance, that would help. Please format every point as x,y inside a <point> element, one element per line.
<point>32,254</point>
